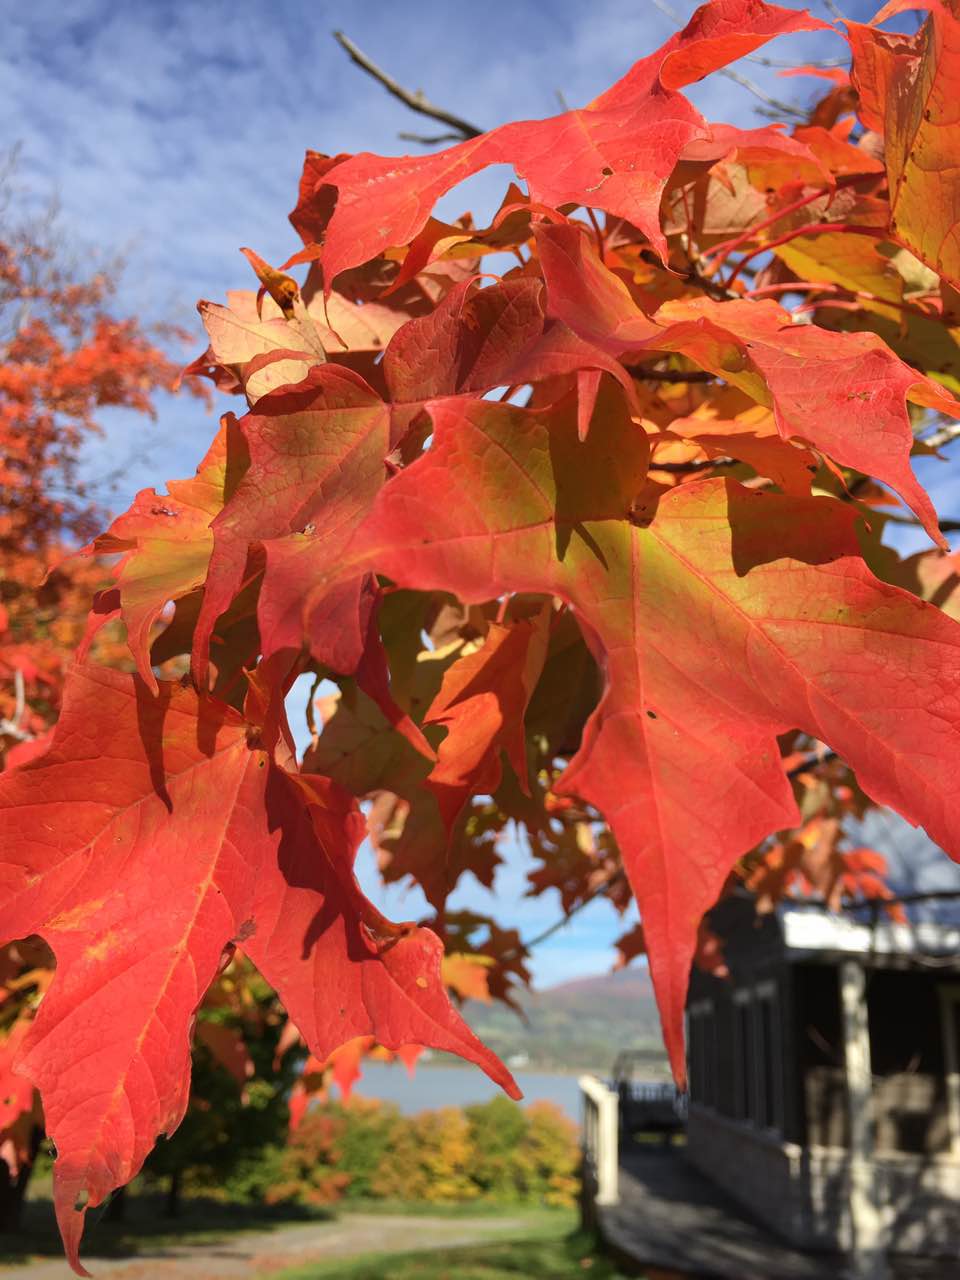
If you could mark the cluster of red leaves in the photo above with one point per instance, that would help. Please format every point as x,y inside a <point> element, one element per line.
<point>627,588</point>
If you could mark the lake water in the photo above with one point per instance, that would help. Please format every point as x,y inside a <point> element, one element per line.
<point>443,1086</point>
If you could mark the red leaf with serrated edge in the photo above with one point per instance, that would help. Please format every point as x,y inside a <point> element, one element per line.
<point>317,459</point>
<point>409,1055</point>
<point>844,393</point>
<point>468,975</point>
<point>478,339</point>
<point>759,444</point>
<point>240,332</point>
<point>297,1106</point>
<point>227,1047</point>
<point>920,83</point>
<point>616,154</point>
<point>481,703</point>
<point>344,1064</point>
<point>169,801</point>
<point>318,452</point>
<point>722,617</point>
<point>708,642</point>
<point>16,1094</point>
<point>880,60</point>
<point>165,542</point>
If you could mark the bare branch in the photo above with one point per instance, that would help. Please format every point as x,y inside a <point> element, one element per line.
<point>692,468</point>
<point>775,104</point>
<point>781,108</point>
<point>945,526</point>
<point>833,10</point>
<point>416,101</point>
<point>429,139</point>
<point>784,64</point>
<point>670,12</point>
<point>600,891</point>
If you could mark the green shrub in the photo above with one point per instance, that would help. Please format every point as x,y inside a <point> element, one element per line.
<point>497,1132</point>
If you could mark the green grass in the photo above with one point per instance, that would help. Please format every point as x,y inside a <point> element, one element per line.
<point>206,1221</point>
<point>552,1252</point>
<point>446,1209</point>
<point>201,1221</point>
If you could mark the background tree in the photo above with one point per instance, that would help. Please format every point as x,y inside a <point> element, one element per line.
<point>66,355</point>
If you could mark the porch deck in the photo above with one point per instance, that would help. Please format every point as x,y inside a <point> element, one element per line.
<point>669,1217</point>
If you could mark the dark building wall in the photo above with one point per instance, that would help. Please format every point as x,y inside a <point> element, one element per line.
<point>740,1045</point>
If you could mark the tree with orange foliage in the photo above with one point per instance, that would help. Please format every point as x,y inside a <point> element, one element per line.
<point>65,354</point>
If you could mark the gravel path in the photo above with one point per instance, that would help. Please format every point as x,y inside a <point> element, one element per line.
<point>262,1253</point>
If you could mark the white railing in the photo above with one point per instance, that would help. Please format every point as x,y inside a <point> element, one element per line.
<point>600,1139</point>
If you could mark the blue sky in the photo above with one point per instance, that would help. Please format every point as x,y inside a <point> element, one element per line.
<point>173,132</point>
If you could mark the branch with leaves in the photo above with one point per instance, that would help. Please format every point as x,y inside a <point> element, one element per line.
<point>481,504</point>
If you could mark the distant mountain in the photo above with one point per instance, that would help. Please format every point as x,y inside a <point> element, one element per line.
<point>623,984</point>
<point>579,1025</point>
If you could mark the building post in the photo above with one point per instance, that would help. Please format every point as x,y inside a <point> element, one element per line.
<point>867,1252</point>
<point>601,1132</point>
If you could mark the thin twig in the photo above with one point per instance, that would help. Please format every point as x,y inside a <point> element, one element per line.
<point>692,468</point>
<point>776,104</point>
<point>726,247</point>
<point>817,757</point>
<point>672,375</point>
<point>416,101</point>
<point>782,108</point>
<point>784,64</point>
<point>429,139</point>
<point>598,892</point>
<point>833,10</point>
<point>810,229</point>
<point>945,526</point>
<point>311,711</point>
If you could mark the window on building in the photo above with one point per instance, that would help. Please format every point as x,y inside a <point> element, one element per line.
<point>768,1054</point>
<point>757,1058</point>
<point>701,1053</point>
<point>711,1064</point>
<point>950,1023</point>
<point>744,1056</point>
